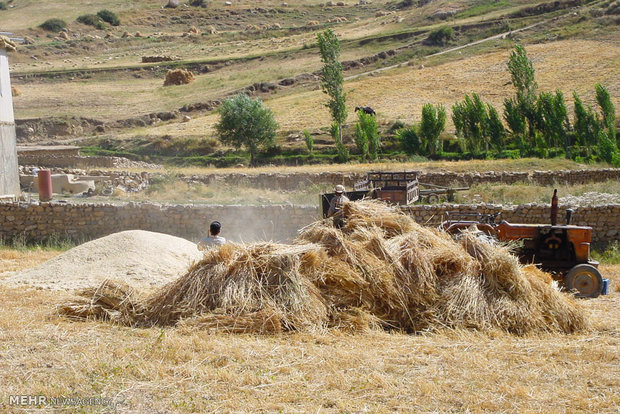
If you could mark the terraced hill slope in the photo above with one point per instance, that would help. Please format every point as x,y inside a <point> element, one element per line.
<point>266,48</point>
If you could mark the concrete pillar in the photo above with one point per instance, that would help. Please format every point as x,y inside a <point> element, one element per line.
<point>9,175</point>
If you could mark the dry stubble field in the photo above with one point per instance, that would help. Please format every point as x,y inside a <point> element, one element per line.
<point>185,370</point>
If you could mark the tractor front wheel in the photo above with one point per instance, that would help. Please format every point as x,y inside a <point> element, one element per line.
<point>585,279</point>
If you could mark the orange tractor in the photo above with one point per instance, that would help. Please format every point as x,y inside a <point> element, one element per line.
<point>561,250</point>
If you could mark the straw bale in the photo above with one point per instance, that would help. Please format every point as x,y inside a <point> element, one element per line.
<point>381,269</point>
<point>178,77</point>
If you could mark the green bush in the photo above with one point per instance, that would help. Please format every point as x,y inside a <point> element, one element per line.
<point>609,255</point>
<point>53,25</point>
<point>409,140</point>
<point>245,122</point>
<point>3,5</point>
<point>92,20</point>
<point>440,37</point>
<point>198,3</point>
<point>109,16</point>
<point>309,140</point>
<point>395,127</point>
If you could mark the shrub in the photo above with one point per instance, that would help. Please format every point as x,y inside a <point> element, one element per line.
<point>409,140</point>
<point>91,20</point>
<point>245,122</point>
<point>440,37</point>
<point>198,3</point>
<point>109,16</point>
<point>396,126</point>
<point>53,25</point>
<point>309,140</point>
<point>3,5</point>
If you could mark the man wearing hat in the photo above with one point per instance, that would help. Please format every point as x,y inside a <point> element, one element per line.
<point>214,238</point>
<point>336,204</point>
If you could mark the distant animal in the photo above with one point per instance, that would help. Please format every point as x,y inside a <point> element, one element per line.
<point>367,109</point>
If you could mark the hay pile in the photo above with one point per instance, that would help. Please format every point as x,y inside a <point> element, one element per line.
<point>380,270</point>
<point>178,77</point>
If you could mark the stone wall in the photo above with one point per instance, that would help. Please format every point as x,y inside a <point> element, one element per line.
<point>82,222</point>
<point>294,181</point>
<point>66,161</point>
<point>289,182</point>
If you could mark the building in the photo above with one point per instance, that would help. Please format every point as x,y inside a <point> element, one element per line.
<point>9,174</point>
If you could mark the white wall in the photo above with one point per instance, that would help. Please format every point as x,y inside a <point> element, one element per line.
<point>9,176</point>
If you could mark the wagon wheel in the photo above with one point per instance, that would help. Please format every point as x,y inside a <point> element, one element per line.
<point>585,279</point>
<point>433,198</point>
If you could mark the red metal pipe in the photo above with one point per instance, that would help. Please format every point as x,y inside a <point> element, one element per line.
<point>45,185</point>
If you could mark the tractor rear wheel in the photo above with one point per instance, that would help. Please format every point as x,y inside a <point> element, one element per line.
<point>585,279</point>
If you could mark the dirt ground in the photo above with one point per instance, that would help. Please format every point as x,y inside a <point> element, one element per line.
<point>184,370</point>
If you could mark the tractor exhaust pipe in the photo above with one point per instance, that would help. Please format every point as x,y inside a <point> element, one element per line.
<point>554,208</point>
<point>569,215</point>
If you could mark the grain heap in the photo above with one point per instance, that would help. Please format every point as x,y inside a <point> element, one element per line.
<point>139,258</point>
<point>178,77</point>
<point>381,270</point>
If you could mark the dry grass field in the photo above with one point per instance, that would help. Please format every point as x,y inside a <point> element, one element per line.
<point>186,370</point>
<point>400,93</point>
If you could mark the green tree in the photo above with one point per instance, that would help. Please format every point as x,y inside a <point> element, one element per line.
<point>367,135</point>
<point>513,117</point>
<point>608,110</point>
<point>608,150</point>
<point>586,123</point>
<point>332,81</point>
<point>361,140</point>
<point>244,122</point>
<point>409,140</point>
<point>343,151</point>
<point>522,75</point>
<point>471,119</point>
<point>432,125</point>
<point>440,37</point>
<point>552,118</point>
<point>496,130</point>
<point>309,140</point>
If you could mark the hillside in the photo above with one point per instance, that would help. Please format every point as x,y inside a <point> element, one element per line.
<point>267,48</point>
